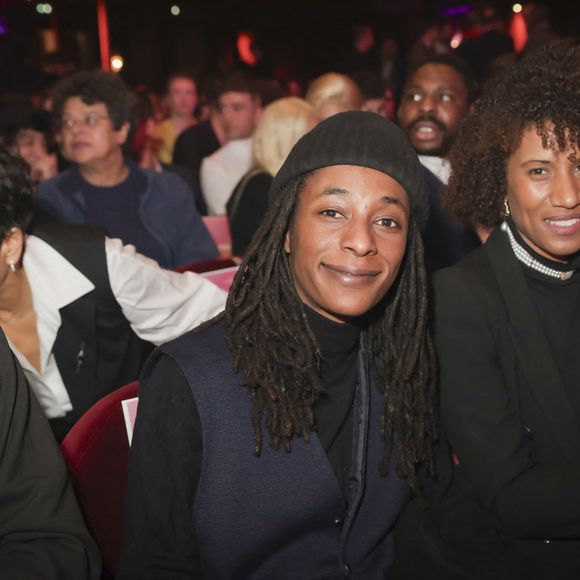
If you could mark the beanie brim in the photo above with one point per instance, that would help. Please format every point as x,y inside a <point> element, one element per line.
<point>363,139</point>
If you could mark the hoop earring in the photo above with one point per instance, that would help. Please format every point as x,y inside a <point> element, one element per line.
<point>506,208</point>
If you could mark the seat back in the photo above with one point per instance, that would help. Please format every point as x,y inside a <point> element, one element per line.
<point>219,229</point>
<point>96,451</point>
<point>220,272</point>
<point>207,265</point>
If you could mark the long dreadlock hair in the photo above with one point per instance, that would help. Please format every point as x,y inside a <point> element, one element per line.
<point>276,351</point>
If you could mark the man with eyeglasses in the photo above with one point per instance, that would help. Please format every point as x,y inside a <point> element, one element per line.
<point>153,211</point>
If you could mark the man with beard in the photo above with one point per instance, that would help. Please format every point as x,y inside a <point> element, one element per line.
<point>437,96</point>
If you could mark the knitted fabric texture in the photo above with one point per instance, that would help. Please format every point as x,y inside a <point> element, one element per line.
<point>363,139</point>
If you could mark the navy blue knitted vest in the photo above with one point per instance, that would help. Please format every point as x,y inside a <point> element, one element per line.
<point>282,515</point>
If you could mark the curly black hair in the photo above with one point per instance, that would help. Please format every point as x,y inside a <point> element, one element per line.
<point>98,87</point>
<point>16,193</point>
<point>541,92</point>
<point>275,349</point>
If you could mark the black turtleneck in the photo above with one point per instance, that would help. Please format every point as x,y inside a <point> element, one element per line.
<point>166,465</point>
<point>338,377</point>
<point>558,306</point>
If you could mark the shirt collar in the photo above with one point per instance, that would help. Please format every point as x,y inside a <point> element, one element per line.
<point>53,280</point>
<point>439,166</point>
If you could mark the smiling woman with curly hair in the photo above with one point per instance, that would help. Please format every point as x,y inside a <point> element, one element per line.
<point>540,93</point>
<point>507,336</point>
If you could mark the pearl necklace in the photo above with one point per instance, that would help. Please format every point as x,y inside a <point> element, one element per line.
<point>526,258</point>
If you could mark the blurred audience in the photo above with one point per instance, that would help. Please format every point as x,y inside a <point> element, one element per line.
<point>392,69</point>
<point>31,138</point>
<point>333,93</point>
<point>429,43</point>
<point>240,109</point>
<point>200,140</point>
<point>363,55</point>
<point>282,124</point>
<point>153,211</point>
<point>492,43</point>
<point>375,95</point>
<point>538,26</point>
<point>141,149</point>
<point>181,103</point>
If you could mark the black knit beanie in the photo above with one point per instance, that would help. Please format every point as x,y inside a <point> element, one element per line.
<point>359,138</point>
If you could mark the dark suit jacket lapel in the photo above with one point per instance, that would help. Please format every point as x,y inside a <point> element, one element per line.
<point>531,345</point>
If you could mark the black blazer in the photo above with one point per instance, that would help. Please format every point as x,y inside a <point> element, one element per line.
<point>511,508</point>
<point>41,528</point>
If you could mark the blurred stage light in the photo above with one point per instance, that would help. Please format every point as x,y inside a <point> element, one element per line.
<point>44,8</point>
<point>517,8</point>
<point>117,63</point>
<point>456,40</point>
<point>175,10</point>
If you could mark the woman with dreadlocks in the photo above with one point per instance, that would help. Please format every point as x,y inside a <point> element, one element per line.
<point>508,338</point>
<point>280,440</point>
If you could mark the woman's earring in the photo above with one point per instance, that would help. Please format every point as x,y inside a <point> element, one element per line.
<point>506,208</point>
<point>12,266</point>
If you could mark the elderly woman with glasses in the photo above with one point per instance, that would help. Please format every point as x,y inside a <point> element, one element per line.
<point>153,211</point>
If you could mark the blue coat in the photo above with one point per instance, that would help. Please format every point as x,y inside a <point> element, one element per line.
<point>166,209</point>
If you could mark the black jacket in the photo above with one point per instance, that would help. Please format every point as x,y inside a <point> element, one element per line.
<point>42,534</point>
<point>511,507</point>
<point>445,241</point>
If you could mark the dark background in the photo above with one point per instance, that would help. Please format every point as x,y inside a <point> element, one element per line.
<point>302,38</point>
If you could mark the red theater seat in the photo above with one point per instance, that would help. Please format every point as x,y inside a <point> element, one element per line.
<point>96,451</point>
<point>207,265</point>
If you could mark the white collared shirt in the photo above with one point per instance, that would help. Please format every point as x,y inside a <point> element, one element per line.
<point>439,166</point>
<point>221,171</point>
<point>159,304</point>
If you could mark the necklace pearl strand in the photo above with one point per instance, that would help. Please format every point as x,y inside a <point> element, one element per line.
<point>526,258</point>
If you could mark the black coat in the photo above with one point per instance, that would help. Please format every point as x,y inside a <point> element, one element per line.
<point>511,508</point>
<point>445,241</point>
<point>42,534</point>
